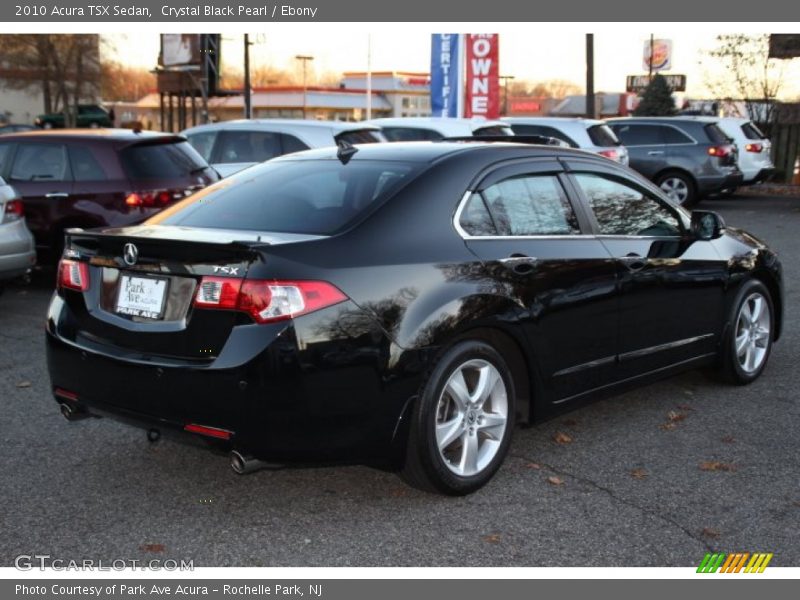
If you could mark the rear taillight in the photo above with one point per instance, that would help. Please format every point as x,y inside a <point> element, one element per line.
<point>612,154</point>
<point>754,148</point>
<point>151,199</point>
<point>266,301</point>
<point>73,275</point>
<point>14,211</point>
<point>720,151</point>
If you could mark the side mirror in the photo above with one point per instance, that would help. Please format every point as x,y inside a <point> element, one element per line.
<point>706,225</point>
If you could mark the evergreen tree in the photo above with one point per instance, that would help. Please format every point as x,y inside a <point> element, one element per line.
<point>656,100</point>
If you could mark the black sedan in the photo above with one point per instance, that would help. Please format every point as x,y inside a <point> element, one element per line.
<point>402,305</point>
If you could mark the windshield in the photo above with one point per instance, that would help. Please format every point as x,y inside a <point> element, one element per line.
<point>306,196</point>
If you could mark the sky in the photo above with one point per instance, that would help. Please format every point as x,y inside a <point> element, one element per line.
<point>552,53</point>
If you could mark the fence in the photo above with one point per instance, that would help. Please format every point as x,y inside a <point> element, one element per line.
<point>785,150</point>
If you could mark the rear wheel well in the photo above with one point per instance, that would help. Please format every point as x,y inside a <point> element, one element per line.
<point>514,356</point>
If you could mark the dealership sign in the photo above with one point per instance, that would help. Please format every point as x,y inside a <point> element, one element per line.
<point>445,75</point>
<point>638,83</point>
<point>483,80</point>
<point>657,55</point>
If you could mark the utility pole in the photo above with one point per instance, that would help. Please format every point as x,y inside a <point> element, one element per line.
<point>305,60</point>
<point>248,100</point>
<point>650,61</point>
<point>505,79</point>
<point>590,109</point>
<point>369,76</point>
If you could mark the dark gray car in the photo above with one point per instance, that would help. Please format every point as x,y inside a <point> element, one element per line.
<point>688,159</point>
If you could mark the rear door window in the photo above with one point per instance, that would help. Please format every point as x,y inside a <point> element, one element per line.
<point>638,135</point>
<point>531,205</point>
<point>716,135</point>
<point>84,165</point>
<point>674,136</point>
<point>5,158</point>
<point>292,144</point>
<point>161,160</point>
<point>41,162</point>
<point>293,196</point>
<point>751,132</point>
<point>603,136</point>
<point>203,142</point>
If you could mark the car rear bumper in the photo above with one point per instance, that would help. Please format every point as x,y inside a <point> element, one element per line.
<point>761,176</point>
<point>17,251</point>
<point>715,183</point>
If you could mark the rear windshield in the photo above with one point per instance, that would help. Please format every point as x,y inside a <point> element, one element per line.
<point>305,196</point>
<point>492,130</point>
<point>751,132</point>
<point>359,136</point>
<point>161,161</point>
<point>601,135</point>
<point>716,135</point>
<point>411,134</point>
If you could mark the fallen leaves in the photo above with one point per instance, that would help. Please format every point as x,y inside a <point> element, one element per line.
<point>715,465</point>
<point>710,532</point>
<point>570,422</point>
<point>153,548</point>
<point>23,384</point>
<point>492,538</point>
<point>555,480</point>
<point>533,465</point>
<point>562,438</point>
<point>673,418</point>
<point>639,473</point>
<point>728,439</point>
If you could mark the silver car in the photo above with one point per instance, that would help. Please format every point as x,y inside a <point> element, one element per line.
<point>231,146</point>
<point>17,250</point>
<point>587,134</point>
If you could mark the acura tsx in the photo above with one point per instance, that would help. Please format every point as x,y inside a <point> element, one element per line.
<point>402,305</point>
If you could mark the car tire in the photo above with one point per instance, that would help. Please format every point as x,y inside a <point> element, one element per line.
<point>747,343</point>
<point>462,422</point>
<point>679,187</point>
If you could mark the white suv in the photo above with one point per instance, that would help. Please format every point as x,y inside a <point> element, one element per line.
<point>587,134</point>
<point>754,160</point>
<point>230,146</point>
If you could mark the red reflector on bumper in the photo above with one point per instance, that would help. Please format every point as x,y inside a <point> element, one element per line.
<point>222,434</point>
<point>65,394</point>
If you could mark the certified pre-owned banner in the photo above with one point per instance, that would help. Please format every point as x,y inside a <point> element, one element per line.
<point>483,76</point>
<point>445,75</point>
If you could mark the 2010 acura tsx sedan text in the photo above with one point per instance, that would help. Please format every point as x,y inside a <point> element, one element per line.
<point>402,305</point>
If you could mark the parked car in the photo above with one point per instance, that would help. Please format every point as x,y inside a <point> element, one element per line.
<point>17,252</point>
<point>81,178</point>
<point>400,304</point>
<point>587,134</point>
<point>15,128</point>
<point>410,129</point>
<point>686,157</point>
<point>754,157</point>
<point>231,146</point>
<point>89,115</point>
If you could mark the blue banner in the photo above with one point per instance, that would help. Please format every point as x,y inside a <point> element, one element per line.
<point>445,75</point>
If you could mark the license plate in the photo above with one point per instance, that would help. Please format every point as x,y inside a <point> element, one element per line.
<point>141,297</point>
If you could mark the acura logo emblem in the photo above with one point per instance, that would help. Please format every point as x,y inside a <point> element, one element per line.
<point>130,254</point>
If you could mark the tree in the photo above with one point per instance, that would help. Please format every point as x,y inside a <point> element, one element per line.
<point>64,67</point>
<point>656,100</point>
<point>124,83</point>
<point>742,69</point>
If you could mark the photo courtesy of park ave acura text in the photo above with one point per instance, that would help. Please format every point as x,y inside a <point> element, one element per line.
<point>305,293</point>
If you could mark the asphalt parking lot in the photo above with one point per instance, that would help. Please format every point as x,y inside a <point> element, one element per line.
<point>656,477</point>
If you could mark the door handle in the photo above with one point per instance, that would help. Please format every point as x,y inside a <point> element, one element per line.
<point>633,261</point>
<point>655,153</point>
<point>520,263</point>
<point>52,195</point>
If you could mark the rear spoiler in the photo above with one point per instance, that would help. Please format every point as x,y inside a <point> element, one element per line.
<point>540,140</point>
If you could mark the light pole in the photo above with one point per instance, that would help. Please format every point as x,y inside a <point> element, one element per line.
<point>248,103</point>
<point>590,107</point>
<point>305,60</point>
<point>506,79</point>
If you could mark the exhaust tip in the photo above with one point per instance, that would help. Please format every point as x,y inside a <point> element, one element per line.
<point>239,463</point>
<point>153,435</point>
<point>72,413</point>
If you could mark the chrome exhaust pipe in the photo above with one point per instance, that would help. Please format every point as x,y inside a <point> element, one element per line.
<point>72,413</point>
<point>242,464</point>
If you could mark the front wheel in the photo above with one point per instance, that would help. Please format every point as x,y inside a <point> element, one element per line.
<point>748,343</point>
<point>462,423</point>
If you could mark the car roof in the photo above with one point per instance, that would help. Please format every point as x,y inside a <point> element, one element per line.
<point>446,125</point>
<point>556,120</point>
<point>675,119</point>
<point>433,151</point>
<point>114,135</point>
<point>336,126</point>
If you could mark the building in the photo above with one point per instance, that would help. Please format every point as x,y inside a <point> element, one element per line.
<point>408,94</point>
<point>606,105</point>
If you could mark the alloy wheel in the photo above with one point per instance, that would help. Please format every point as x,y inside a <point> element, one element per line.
<point>676,189</point>
<point>471,417</point>
<point>753,324</point>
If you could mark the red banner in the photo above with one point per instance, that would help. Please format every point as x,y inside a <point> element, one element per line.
<point>483,76</point>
